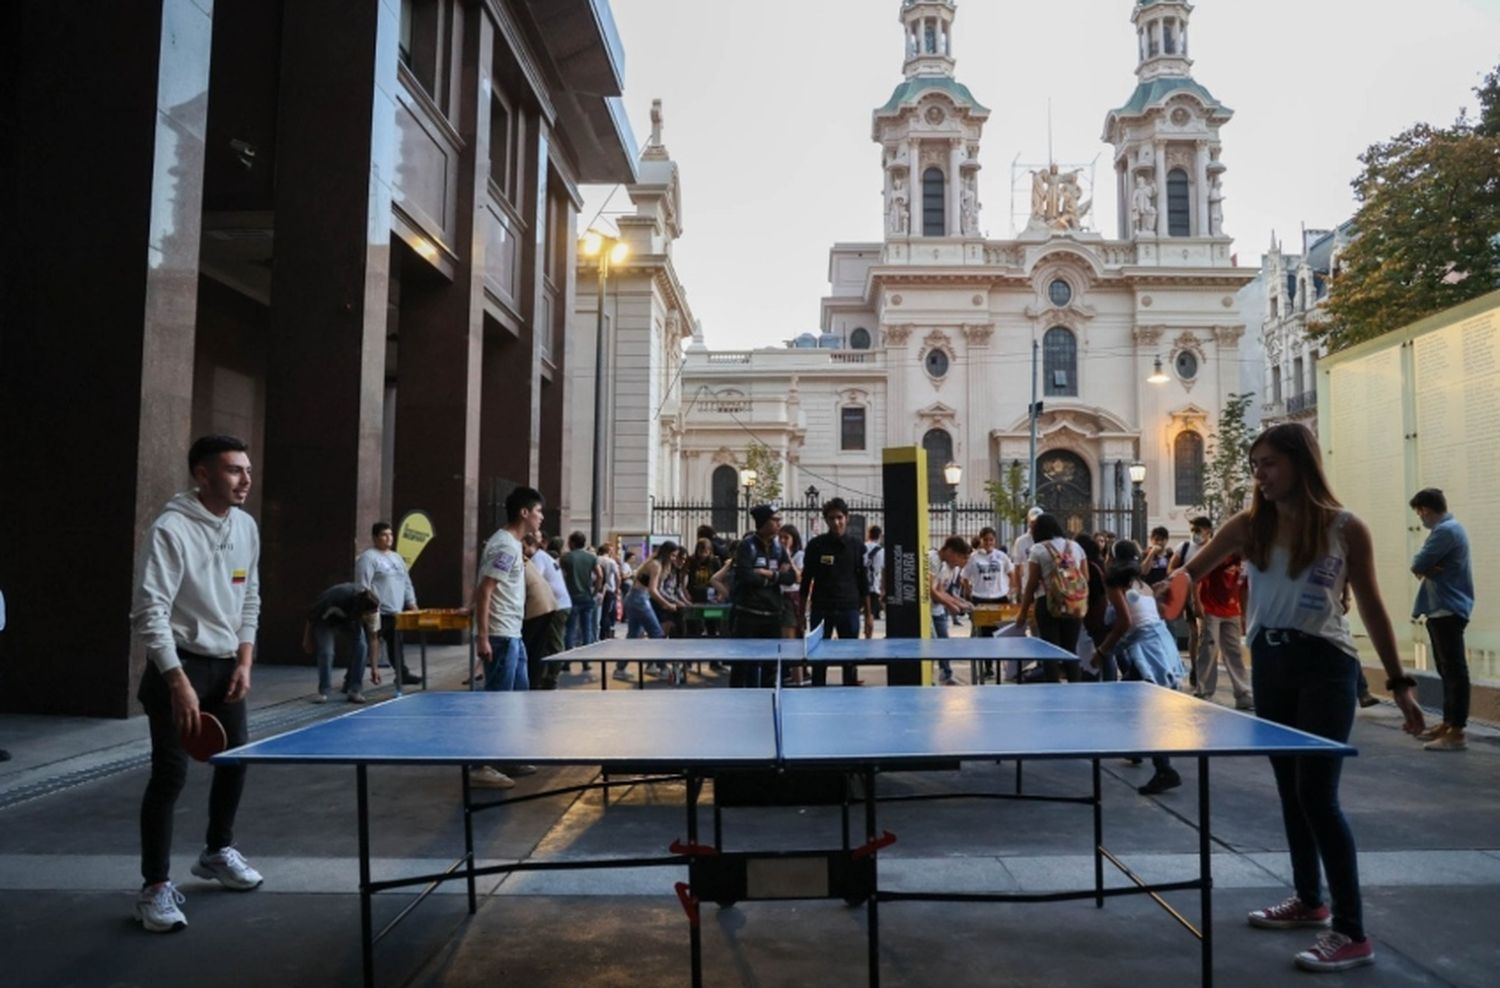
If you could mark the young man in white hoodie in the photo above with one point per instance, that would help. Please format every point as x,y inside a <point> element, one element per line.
<point>197,608</point>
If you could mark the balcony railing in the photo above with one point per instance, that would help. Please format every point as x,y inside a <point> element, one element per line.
<point>1307,401</point>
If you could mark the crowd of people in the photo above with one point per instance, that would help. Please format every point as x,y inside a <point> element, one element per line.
<point>1280,575</point>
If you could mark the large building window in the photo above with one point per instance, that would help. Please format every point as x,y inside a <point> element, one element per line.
<point>852,427</point>
<point>1059,362</point>
<point>1187,454</point>
<point>419,47</point>
<point>939,446</point>
<point>859,339</point>
<point>1179,204</point>
<point>933,204</point>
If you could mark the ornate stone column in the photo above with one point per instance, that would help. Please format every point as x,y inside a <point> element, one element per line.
<point>954,202</point>
<point>1200,184</point>
<point>1162,225</point>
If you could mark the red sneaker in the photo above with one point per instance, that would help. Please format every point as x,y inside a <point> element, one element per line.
<point>1289,915</point>
<point>1336,952</point>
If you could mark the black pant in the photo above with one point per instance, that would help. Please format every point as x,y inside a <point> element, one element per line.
<point>1447,636</point>
<point>1309,683</point>
<point>393,650</point>
<point>836,624</point>
<point>1062,632</point>
<point>210,680</point>
<point>747,625</point>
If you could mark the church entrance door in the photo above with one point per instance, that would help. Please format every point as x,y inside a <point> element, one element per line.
<point>1065,489</point>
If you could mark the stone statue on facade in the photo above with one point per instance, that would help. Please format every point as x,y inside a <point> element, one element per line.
<point>1216,208</point>
<point>656,122</point>
<point>1143,206</point>
<point>1070,210</point>
<point>896,217</point>
<point>970,210</point>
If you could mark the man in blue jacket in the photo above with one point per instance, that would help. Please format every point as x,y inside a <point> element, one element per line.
<point>1446,598</point>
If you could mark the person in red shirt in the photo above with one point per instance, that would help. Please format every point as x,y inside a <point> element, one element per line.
<point>1220,626</point>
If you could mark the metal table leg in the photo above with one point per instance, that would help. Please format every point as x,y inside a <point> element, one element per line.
<point>872,904</point>
<point>1098,841</point>
<point>1205,875</point>
<point>469,840</point>
<point>366,930</point>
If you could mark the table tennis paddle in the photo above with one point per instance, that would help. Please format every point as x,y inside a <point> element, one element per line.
<point>209,741</point>
<point>1175,599</point>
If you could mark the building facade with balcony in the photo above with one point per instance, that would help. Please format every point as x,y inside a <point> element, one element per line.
<point>341,231</point>
<point>1296,286</point>
<point>927,336</point>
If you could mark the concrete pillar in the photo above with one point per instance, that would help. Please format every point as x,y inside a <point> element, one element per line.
<point>99,309</point>
<point>439,341</point>
<point>330,287</point>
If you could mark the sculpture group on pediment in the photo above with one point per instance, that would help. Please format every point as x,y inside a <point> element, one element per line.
<point>1057,201</point>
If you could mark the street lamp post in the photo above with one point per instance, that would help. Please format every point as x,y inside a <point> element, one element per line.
<point>953,475</point>
<point>606,251</point>
<point>1138,503</point>
<point>812,509</point>
<point>748,477</point>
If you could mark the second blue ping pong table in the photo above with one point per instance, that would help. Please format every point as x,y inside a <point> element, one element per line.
<point>811,649</point>
<point>771,737</point>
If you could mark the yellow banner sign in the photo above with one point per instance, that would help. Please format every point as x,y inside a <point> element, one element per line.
<point>412,536</point>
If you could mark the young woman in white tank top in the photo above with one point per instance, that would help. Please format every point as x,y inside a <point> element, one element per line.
<point>1300,548</point>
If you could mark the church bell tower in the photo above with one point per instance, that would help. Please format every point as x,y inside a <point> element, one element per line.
<point>1166,140</point>
<point>929,132</point>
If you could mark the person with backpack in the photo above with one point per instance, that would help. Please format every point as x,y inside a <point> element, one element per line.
<point>1056,568</point>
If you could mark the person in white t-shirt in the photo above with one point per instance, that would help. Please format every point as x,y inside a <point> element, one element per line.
<point>988,574</point>
<point>500,607</point>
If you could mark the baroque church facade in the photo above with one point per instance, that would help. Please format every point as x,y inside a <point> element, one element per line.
<point>936,336</point>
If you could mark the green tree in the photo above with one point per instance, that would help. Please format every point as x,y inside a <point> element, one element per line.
<point>1427,228</point>
<point>1226,473</point>
<point>767,466</point>
<point>1008,494</point>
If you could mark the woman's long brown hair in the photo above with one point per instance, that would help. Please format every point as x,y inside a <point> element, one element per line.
<point>1319,507</point>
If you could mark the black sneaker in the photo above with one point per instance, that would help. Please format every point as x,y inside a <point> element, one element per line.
<point>410,679</point>
<point>1366,700</point>
<point>1163,780</point>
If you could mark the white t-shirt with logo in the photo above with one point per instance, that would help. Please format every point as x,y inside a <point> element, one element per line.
<point>988,574</point>
<point>504,562</point>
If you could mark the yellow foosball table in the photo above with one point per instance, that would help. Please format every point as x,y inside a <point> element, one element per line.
<point>427,620</point>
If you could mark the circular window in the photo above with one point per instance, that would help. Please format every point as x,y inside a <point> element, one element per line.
<point>859,339</point>
<point>1060,292</point>
<point>1187,365</point>
<point>937,363</point>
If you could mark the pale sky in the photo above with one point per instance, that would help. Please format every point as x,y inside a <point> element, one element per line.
<point>768,115</point>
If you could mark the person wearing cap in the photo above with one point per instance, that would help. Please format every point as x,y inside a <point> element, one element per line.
<point>760,571</point>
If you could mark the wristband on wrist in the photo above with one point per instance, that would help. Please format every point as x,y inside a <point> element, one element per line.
<point>1400,682</point>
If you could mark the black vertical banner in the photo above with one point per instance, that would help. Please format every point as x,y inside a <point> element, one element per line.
<point>908,607</point>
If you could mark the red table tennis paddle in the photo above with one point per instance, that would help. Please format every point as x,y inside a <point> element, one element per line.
<point>209,741</point>
<point>1176,597</point>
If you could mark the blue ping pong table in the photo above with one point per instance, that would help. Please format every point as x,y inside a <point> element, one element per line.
<point>775,738</point>
<point>810,649</point>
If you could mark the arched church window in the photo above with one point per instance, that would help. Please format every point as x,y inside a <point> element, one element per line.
<point>1187,457</point>
<point>1179,204</point>
<point>939,446</point>
<point>1168,38</point>
<point>726,495</point>
<point>859,339</point>
<point>1059,362</point>
<point>933,211</point>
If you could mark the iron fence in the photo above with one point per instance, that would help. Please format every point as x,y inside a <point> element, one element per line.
<point>965,518</point>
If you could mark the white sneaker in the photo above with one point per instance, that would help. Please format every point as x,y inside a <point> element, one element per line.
<point>320,698</point>
<point>624,676</point>
<point>486,777</point>
<point>229,869</point>
<point>355,696</point>
<point>521,770</point>
<point>156,908</point>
